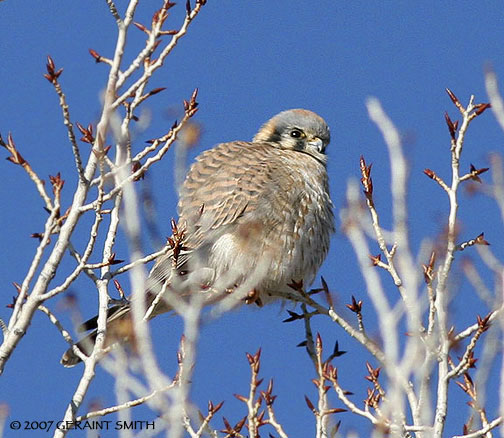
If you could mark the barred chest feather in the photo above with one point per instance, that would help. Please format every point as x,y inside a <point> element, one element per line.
<point>306,241</point>
<point>285,237</point>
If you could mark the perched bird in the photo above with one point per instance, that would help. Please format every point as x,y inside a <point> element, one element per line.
<point>255,213</point>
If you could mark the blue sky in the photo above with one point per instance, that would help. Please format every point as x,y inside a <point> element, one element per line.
<point>249,60</point>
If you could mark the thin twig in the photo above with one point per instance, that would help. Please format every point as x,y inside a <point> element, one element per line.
<point>160,60</point>
<point>457,143</point>
<point>127,405</point>
<point>71,135</point>
<point>141,170</point>
<point>143,260</point>
<point>66,335</point>
<point>490,426</point>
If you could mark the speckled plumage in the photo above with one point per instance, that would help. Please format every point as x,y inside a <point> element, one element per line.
<point>263,201</point>
<point>246,204</point>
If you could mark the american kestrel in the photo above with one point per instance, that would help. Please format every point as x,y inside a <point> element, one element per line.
<point>256,213</point>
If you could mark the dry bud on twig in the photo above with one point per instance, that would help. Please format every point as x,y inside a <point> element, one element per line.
<point>57,184</point>
<point>366,179</point>
<point>86,132</point>
<point>16,157</point>
<point>356,306</point>
<point>479,240</point>
<point>233,431</point>
<point>481,107</point>
<point>455,100</point>
<point>191,106</point>
<point>98,58</point>
<point>119,289</point>
<point>452,127</point>
<point>473,174</point>
<point>176,242</point>
<point>52,75</point>
<point>429,269</point>
<point>376,260</point>
<point>432,175</point>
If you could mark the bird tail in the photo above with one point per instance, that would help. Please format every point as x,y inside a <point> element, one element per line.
<point>119,328</point>
<point>119,320</point>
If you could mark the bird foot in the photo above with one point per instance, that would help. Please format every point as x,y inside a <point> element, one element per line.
<point>253,297</point>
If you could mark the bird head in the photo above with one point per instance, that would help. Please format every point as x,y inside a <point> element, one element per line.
<point>299,130</point>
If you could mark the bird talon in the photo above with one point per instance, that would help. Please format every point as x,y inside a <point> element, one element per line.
<point>253,297</point>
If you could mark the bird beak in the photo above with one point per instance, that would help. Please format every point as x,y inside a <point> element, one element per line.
<point>317,144</point>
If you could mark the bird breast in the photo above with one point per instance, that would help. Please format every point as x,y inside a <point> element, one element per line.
<point>283,233</point>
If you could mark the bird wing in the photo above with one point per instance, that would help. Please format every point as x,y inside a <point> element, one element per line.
<point>221,189</point>
<point>223,182</point>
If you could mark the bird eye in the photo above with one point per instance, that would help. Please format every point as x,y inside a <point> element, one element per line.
<point>296,133</point>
